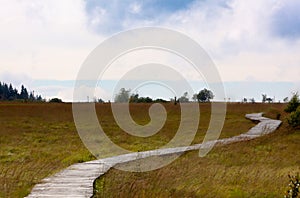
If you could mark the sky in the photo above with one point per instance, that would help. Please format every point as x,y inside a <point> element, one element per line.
<point>255,45</point>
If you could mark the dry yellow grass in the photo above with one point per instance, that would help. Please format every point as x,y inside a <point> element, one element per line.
<point>256,168</point>
<point>37,140</point>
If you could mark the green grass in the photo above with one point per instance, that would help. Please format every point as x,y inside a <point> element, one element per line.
<point>37,140</point>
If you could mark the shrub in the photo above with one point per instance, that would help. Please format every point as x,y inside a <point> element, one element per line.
<point>294,184</point>
<point>294,118</point>
<point>293,104</point>
<point>56,100</point>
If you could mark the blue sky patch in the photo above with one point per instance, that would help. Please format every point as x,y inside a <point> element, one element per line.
<point>286,20</point>
<point>112,16</point>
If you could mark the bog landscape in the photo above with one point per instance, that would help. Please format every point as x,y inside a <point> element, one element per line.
<point>40,139</point>
<point>150,99</point>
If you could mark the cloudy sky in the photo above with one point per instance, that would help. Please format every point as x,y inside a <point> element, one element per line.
<point>254,44</point>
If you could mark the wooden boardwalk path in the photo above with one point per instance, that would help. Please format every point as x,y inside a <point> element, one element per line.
<point>77,180</point>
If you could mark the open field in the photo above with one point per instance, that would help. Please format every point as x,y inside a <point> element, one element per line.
<point>37,140</point>
<point>256,168</point>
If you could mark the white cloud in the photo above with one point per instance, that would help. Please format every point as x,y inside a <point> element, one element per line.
<point>239,38</point>
<point>50,39</point>
<point>135,58</point>
<point>135,8</point>
<point>98,17</point>
<point>66,93</point>
<point>44,39</point>
<point>85,93</point>
<point>16,79</point>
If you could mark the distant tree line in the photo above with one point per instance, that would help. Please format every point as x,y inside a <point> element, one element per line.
<point>124,95</point>
<point>9,93</point>
<point>202,96</point>
<point>134,98</point>
<point>265,99</point>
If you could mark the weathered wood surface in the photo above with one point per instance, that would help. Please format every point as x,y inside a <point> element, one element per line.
<point>77,180</point>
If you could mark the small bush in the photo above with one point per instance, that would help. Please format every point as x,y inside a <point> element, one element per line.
<point>55,100</point>
<point>294,118</point>
<point>293,191</point>
<point>293,104</point>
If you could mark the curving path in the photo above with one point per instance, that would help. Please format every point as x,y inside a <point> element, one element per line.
<point>77,180</point>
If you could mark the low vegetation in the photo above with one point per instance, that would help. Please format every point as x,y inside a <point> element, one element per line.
<point>36,140</point>
<point>55,100</point>
<point>293,103</point>
<point>293,108</point>
<point>256,168</point>
<point>39,139</point>
<point>294,185</point>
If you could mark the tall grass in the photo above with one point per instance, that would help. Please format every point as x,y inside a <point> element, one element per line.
<point>37,140</point>
<point>256,168</point>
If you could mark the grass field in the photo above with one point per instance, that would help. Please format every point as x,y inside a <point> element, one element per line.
<point>37,140</point>
<point>256,168</point>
